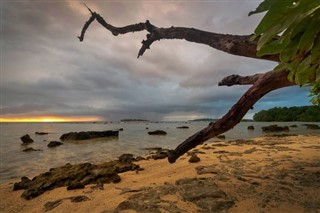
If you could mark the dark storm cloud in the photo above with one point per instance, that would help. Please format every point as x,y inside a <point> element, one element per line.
<point>46,70</point>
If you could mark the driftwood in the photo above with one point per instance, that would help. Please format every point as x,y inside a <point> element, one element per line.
<point>240,45</point>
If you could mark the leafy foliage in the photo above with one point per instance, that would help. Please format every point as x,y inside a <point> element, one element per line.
<point>303,113</point>
<point>291,28</point>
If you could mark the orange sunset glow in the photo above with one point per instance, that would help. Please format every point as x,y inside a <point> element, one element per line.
<point>51,119</point>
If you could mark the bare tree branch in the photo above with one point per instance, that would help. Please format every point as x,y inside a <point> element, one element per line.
<point>239,80</point>
<point>240,45</point>
<point>264,84</point>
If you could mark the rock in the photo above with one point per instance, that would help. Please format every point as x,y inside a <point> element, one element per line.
<point>147,127</point>
<point>80,198</point>
<point>52,204</point>
<point>126,158</point>
<point>221,136</point>
<point>30,149</point>
<point>294,126</point>
<point>157,132</point>
<point>121,129</point>
<point>26,139</point>
<point>73,176</point>
<point>88,135</point>
<point>274,128</point>
<point>182,127</point>
<point>312,126</point>
<point>41,133</point>
<point>251,127</point>
<point>54,143</point>
<point>77,185</point>
<point>160,154</point>
<point>194,159</point>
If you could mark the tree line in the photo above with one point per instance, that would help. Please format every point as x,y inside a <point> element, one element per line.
<point>302,113</point>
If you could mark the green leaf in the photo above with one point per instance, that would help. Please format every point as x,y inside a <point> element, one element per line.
<point>290,51</point>
<point>280,67</point>
<point>310,35</point>
<point>264,6</point>
<point>304,71</point>
<point>277,12</point>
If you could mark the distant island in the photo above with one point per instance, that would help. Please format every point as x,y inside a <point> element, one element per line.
<point>134,120</point>
<point>302,113</point>
<point>204,119</point>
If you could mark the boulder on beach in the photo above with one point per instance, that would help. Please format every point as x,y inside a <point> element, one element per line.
<point>54,143</point>
<point>88,135</point>
<point>26,139</point>
<point>157,132</point>
<point>274,128</point>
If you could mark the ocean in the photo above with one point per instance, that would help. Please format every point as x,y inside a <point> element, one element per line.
<point>14,163</point>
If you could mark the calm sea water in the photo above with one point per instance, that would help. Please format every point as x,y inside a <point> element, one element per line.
<point>15,163</point>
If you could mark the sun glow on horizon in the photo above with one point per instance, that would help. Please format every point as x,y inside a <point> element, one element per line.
<point>51,119</point>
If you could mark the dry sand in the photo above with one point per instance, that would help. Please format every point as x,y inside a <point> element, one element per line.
<point>267,174</point>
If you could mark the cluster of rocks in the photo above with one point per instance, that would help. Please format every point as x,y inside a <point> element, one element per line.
<point>76,176</point>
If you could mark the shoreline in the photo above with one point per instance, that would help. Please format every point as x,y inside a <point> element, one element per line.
<point>262,174</point>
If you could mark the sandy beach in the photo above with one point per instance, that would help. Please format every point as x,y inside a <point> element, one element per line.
<point>266,174</point>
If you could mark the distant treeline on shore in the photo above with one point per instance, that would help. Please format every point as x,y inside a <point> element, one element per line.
<point>302,113</point>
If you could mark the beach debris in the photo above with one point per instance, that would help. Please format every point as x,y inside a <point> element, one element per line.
<point>88,135</point>
<point>182,127</point>
<point>194,159</point>
<point>251,127</point>
<point>54,143</point>
<point>73,175</point>
<point>41,133</point>
<point>157,132</point>
<point>26,139</point>
<point>30,149</point>
<point>274,128</point>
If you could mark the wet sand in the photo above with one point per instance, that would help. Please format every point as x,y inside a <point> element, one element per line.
<point>267,174</point>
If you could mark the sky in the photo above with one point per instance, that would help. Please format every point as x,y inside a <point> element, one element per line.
<point>47,73</point>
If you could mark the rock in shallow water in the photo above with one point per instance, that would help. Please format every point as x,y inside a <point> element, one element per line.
<point>157,132</point>
<point>54,144</point>
<point>26,139</point>
<point>88,135</point>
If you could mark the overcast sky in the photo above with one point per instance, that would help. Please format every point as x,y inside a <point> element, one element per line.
<point>45,70</point>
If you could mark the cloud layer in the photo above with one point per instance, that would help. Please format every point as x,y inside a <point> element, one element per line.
<point>46,71</point>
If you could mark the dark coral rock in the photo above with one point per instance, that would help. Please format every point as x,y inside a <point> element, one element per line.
<point>157,132</point>
<point>251,127</point>
<point>26,139</point>
<point>88,135</point>
<point>41,133</point>
<point>275,128</point>
<point>182,127</point>
<point>54,143</point>
<point>77,185</point>
<point>194,159</point>
<point>30,149</point>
